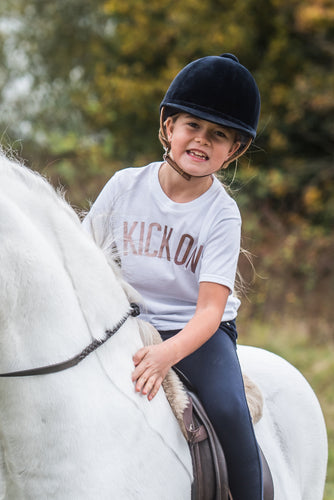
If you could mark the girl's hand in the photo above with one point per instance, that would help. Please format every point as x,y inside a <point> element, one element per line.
<point>152,364</point>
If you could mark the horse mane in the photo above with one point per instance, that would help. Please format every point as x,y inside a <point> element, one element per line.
<point>33,179</point>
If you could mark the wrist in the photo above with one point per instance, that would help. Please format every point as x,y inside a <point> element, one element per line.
<point>174,346</point>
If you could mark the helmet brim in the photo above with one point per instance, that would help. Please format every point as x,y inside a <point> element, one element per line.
<point>170,109</point>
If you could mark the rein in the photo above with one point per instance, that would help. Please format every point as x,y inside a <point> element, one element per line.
<point>64,365</point>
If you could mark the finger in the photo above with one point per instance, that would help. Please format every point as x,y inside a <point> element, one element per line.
<point>149,385</point>
<point>139,355</point>
<point>155,389</point>
<point>141,382</point>
<point>139,372</point>
<point>139,385</point>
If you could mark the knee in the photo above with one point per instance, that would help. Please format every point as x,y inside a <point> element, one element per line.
<point>232,412</point>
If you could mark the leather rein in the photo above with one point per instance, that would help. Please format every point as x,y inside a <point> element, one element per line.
<point>64,365</point>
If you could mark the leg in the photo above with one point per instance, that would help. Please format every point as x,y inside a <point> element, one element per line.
<point>215,373</point>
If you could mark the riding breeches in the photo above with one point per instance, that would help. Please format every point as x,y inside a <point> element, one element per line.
<point>215,374</point>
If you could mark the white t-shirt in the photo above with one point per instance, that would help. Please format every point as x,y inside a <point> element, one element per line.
<point>166,248</point>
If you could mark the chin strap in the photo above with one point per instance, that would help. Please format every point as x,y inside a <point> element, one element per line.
<point>166,144</point>
<point>175,166</point>
<point>179,170</point>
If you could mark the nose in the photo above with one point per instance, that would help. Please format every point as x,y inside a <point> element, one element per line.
<point>202,137</point>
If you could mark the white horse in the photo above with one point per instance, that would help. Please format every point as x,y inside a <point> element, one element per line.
<point>84,433</point>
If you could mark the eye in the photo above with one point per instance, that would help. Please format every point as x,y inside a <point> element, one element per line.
<point>220,133</point>
<point>193,124</point>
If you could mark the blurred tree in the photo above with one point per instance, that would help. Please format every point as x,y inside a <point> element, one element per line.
<point>297,81</point>
<point>97,71</point>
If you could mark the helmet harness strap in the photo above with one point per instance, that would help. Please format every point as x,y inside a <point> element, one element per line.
<point>175,166</point>
<point>167,147</point>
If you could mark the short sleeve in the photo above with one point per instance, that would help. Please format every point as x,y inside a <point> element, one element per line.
<point>98,220</point>
<point>221,252</point>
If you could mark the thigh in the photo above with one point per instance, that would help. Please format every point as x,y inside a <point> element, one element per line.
<point>214,369</point>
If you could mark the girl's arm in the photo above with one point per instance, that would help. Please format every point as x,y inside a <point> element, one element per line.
<point>153,362</point>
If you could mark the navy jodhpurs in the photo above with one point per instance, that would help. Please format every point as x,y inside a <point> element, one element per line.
<point>215,374</point>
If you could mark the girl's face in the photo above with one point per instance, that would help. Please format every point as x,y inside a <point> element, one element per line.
<point>199,147</point>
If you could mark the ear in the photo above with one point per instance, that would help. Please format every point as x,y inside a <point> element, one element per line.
<point>169,124</point>
<point>234,148</point>
<point>232,154</point>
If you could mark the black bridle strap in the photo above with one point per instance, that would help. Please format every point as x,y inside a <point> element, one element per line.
<point>58,367</point>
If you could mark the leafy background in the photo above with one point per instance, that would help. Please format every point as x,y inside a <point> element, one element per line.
<point>80,87</point>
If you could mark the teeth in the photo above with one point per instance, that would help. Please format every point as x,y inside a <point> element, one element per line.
<point>199,155</point>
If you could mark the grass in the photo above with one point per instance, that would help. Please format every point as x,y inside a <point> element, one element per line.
<point>292,341</point>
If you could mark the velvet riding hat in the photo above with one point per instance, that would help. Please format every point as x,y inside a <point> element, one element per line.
<point>217,89</point>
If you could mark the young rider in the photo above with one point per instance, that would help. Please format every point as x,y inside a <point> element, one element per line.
<point>177,234</point>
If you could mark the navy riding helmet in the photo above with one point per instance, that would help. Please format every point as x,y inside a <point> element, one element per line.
<point>217,89</point>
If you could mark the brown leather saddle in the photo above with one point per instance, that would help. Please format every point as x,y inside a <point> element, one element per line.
<point>209,465</point>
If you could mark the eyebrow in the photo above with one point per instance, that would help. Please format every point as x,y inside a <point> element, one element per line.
<point>187,116</point>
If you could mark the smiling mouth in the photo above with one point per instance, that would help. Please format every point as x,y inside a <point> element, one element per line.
<point>197,154</point>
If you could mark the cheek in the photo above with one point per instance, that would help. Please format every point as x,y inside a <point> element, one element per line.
<point>177,141</point>
<point>222,153</point>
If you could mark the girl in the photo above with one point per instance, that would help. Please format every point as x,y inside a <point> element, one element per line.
<point>177,234</point>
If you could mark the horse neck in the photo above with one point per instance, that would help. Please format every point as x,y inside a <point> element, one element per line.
<point>58,284</point>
